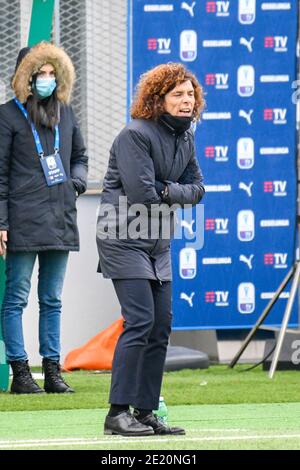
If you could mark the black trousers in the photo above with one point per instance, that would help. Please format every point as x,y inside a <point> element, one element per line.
<point>141,350</point>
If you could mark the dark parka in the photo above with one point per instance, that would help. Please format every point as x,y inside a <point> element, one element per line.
<point>36,216</point>
<point>144,152</point>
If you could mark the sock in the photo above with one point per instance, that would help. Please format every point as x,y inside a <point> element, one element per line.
<point>141,413</point>
<point>115,410</point>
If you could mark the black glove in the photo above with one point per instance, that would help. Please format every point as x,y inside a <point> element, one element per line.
<point>161,189</point>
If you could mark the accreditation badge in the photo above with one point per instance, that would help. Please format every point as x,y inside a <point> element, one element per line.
<point>53,169</point>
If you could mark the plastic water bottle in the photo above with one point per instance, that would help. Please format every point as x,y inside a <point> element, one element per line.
<point>162,412</point>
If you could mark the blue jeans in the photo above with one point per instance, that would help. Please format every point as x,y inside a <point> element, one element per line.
<point>19,267</point>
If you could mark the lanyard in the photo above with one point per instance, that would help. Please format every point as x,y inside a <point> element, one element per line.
<point>35,132</point>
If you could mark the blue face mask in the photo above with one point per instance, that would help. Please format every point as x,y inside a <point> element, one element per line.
<point>45,86</point>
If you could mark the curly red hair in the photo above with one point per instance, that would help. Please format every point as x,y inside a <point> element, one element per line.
<point>148,102</point>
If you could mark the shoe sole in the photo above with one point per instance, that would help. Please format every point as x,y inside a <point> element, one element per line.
<point>108,432</point>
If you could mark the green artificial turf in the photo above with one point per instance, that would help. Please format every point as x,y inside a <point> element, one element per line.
<point>216,385</point>
<point>243,426</point>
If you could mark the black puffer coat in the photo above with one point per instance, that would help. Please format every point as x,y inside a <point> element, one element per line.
<point>146,151</point>
<point>36,216</point>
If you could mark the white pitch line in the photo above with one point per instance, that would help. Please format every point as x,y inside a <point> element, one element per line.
<point>95,441</point>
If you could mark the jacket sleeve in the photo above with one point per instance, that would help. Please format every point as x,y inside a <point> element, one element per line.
<point>79,159</point>
<point>136,168</point>
<point>6,137</point>
<point>189,189</point>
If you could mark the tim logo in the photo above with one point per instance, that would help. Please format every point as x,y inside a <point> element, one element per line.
<point>245,153</point>
<point>277,260</point>
<point>277,188</point>
<point>218,152</point>
<point>246,298</point>
<point>277,43</point>
<point>245,81</point>
<point>246,12</point>
<point>245,226</point>
<point>219,298</point>
<point>220,8</point>
<point>217,80</point>
<point>160,45</point>
<point>276,115</point>
<point>219,226</point>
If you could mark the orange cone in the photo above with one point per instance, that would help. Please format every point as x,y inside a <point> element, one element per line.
<point>98,352</point>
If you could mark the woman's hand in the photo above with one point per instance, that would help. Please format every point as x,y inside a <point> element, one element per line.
<point>3,240</point>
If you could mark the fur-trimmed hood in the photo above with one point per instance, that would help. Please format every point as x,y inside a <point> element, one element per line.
<point>39,55</point>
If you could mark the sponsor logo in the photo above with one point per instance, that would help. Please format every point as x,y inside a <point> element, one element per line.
<point>188,226</point>
<point>274,78</point>
<point>276,6</point>
<point>187,298</point>
<point>217,43</point>
<point>218,80</point>
<point>270,295</point>
<point>247,260</point>
<point>188,45</point>
<point>274,150</point>
<point>218,188</point>
<point>277,188</point>
<point>246,187</point>
<point>167,7</point>
<point>246,298</point>
<point>277,43</point>
<point>189,8</point>
<point>277,260</point>
<point>160,45</point>
<point>218,225</point>
<point>245,225</point>
<point>245,153</point>
<point>246,115</point>
<point>218,152</point>
<point>216,116</point>
<point>246,11</point>
<point>187,263</point>
<point>276,115</point>
<point>247,43</point>
<point>245,80</point>
<point>224,260</point>
<point>266,223</point>
<point>219,298</point>
<point>220,8</point>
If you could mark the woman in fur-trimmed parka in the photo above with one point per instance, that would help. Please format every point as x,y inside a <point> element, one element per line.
<point>43,169</point>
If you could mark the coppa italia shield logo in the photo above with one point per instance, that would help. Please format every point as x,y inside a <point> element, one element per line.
<point>245,153</point>
<point>220,8</point>
<point>188,45</point>
<point>247,9</point>
<point>246,297</point>
<point>245,225</point>
<point>218,152</point>
<point>219,298</point>
<point>245,80</point>
<point>276,260</point>
<point>187,263</point>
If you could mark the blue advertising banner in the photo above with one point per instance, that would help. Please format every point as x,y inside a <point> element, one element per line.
<point>244,54</point>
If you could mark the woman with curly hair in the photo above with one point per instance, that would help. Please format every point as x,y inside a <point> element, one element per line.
<point>152,163</point>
